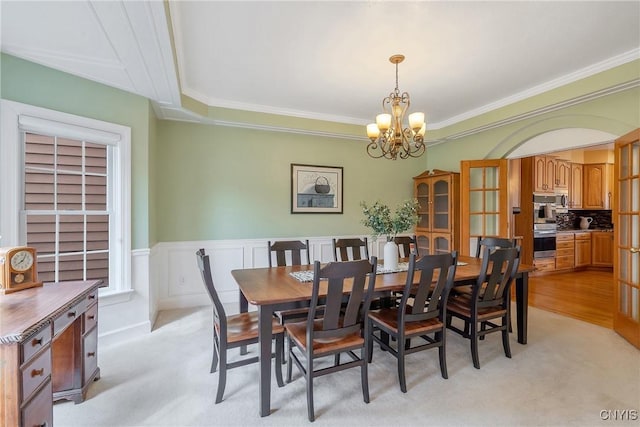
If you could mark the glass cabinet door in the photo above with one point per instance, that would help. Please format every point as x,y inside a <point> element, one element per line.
<point>441,205</point>
<point>423,194</point>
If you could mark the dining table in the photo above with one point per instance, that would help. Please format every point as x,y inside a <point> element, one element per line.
<point>275,288</point>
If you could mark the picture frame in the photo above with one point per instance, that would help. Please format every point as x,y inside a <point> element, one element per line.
<point>316,189</point>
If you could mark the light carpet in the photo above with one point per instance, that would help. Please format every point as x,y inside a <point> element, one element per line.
<point>567,374</point>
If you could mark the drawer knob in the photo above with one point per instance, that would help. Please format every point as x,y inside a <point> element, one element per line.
<point>37,372</point>
<point>91,354</point>
<point>92,296</point>
<point>71,314</point>
<point>36,341</point>
<point>91,317</point>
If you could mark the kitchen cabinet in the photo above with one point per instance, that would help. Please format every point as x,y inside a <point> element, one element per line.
<point>562,176</point>
<point>582,249</point>
<point>602,248</point>
<point>597,186</point>
<point>565,251</point>
<point>544,171</point>
<point>575,186</point>
<point>438,195</point>
<point>544,264</point>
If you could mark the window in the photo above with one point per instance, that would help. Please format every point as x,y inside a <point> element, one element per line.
<point>66,193</point>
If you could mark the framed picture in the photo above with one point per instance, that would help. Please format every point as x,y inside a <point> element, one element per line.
<point>316,189</point>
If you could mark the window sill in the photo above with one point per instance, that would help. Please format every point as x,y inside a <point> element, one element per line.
<point>115,297</point>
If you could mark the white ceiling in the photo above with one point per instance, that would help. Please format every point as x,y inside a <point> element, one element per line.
<point>325,59</point>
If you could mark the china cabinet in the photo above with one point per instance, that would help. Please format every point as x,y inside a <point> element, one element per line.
<point>438,195</point>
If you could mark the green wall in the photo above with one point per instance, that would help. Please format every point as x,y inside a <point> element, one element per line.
<point>33,84</point>
<point>218,182</point>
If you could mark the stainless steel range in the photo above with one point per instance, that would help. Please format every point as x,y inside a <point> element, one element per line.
<point>544,240</point>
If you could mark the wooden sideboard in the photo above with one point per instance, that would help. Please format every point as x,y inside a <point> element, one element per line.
<point>48,349</point>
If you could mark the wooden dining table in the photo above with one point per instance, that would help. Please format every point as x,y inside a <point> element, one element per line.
<point>274,288</point>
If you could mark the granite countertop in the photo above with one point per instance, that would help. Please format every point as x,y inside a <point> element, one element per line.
<point>577,230</point>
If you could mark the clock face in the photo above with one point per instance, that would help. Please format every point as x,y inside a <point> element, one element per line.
<point>22,260</point>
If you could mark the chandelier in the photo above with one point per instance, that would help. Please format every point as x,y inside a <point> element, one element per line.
<point>388,137</point>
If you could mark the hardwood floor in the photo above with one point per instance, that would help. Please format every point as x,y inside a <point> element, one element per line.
<point>583,295</point>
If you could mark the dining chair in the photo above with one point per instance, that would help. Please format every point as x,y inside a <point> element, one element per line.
<point>359,249</point>
<point>234,331</point>
<point>421,313</point>
<point>489,301</point>
<point>404,245</point>
<point>339,330</point>
<point>493,243</point>
<point>298,253</point>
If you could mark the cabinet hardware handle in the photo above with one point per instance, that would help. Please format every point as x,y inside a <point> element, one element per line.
<point>92,296</point>
<point>71,314</point>
<point>634,250</point>
<point>37,372</point>
<point>91,354</point>
<point>91,317</point>
<point>36,341</point>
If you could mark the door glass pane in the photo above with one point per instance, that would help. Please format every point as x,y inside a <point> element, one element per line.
<point>475,178</point>
<point>634,304</point>
<point>623,259</point>
<point>624,196</point>
<point>491,201</point>
<point>441,245</point>
<point>624,161</point>
<point>635,163</point>
<point>635,231</point>
<point>475,201</point>
<point>635,191</point>
<point>423,189</point>
<point>491,224</point>
<point>491,177</point>
<point>475,225</point>
<point>623,224</point>
<point>622,304</point>
<point>441,187</point>
<point>441,221</point>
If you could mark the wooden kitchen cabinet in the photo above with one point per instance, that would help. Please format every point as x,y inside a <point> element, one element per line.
<point>565,251</point>
<point>544,174</point>
<point>597,186</point>
<point>575,186</point>
<point>438,195</point>
<point>562,176</point>
<point>602,248</point>
<point>583,249</point>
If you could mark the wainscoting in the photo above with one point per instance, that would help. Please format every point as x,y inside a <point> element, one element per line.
<point>179,284</point>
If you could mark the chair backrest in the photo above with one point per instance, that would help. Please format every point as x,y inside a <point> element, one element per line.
<point>404,244</point>
<point>219,315</point>
<point>342,278</point>
<point>359,249</point>
<point>493,243</point>
<point>497,272</point>
<point>437,273</point>
<point>295,247</point>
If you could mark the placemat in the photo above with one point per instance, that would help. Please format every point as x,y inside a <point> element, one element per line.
<point>307,275</point>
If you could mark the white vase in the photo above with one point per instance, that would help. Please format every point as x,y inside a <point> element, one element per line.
<point>390,256</point>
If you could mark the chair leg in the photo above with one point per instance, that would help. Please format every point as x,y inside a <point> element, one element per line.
<point>364,374</point>
<point>474,344</point>
<point>505,340</point>
<point>336,359</point>
<point>483,326</point>
<point>214,360</point>
<point>309,377</point>
<point>401,376</point>
<point>370,341</point>
<point>222,376</point>
<point>279,357</point>
<point>442,352</point>
<point>289,362</point>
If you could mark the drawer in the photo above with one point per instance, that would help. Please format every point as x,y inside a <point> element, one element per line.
<point>562,252</point>
<point>583,236</point>
<point>545,264</point>
<point>35,372</point>
<point>564,262</point>
<point>66,318</point>
<point>91,297</point>
<point>564,237</point>
<point>89,354</point>
<point>565,244</point>
<point>39,412</point>
<point>35,343</point>
<point>90,318</point>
